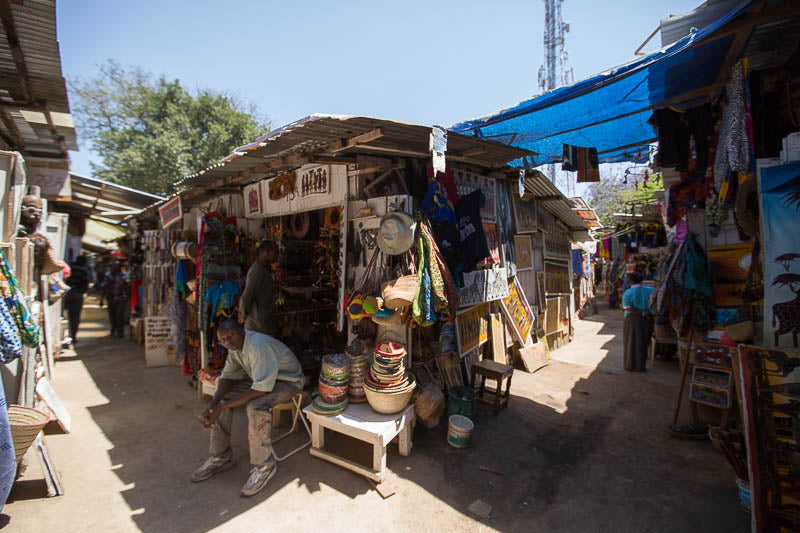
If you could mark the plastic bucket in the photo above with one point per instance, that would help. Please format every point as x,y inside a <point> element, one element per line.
<point>459,431</point>
<point>461,401</point>
<point>744,494</point>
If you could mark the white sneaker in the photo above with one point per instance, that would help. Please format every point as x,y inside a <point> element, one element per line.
<point>211,466</point>
<point>259,476</point>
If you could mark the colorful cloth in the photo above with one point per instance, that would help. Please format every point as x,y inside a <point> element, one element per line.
<point>436,204</point>
<point>17,304</point>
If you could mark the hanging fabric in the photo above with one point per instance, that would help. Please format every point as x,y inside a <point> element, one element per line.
<point>17,304</point>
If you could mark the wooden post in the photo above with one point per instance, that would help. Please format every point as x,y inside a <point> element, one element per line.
<point>498,339</point>
<point>684,368</point>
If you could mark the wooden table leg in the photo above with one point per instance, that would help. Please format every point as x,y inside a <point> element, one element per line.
<point>405,440</point>
<point>508,389</point>
<point>483,387</point>
<point>317,435</point>
<point>379,458</point>
<point>498,392</point>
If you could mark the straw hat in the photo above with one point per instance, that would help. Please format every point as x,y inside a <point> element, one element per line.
<point>396,233</point>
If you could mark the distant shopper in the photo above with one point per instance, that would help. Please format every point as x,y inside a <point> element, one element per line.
<point>257,304</point>
<point>260,372</point>
<point>638,328</point>
<point>78,282</point>
<point>116,291</point>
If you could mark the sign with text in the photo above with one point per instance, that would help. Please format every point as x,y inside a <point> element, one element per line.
<point>170,212</point>
<point>53,180</point>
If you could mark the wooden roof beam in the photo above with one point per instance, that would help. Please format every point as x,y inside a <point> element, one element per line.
<point>16,49</point>
<point>344,144</point>
<point>11,126</point>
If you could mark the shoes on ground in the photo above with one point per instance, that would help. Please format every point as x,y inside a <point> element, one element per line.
<point>259,476</point>
<point>213,465</point>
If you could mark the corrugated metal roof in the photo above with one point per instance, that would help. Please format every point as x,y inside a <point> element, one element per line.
<point>104,200</point>
<point>677,27</point>
<point>549,197</point>
<point>316,133</point>
<point>33,93</point>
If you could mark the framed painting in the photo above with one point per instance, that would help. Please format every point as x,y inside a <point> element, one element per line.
<point>524,214</point>
<point>524,251</point>
<point>472,327</point>
<point>519,313</point>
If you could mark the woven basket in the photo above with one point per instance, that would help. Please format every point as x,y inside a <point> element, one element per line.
<point>395,320</point>
<point>26,423</point>
<point>389,404</point>
<point>399,292</point>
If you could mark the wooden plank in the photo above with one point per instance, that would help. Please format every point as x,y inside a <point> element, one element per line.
<point>385,489</point>
<point>16,50</point>
<point>344,144</point>
<point>347,463</point>
<point>534,357</point>
<point>48,468</point>
<point>497,332</point>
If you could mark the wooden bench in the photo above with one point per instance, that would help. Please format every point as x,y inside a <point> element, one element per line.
<point>361,422</point>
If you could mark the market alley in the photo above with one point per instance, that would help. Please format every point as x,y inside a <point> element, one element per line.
<point>581,447</point>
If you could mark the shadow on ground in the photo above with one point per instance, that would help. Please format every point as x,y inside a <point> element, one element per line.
<point>579,448</point>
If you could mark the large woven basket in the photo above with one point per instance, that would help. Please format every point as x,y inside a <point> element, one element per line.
<point>389,403</point>
<point>26,423</point>
<point>399,292</point>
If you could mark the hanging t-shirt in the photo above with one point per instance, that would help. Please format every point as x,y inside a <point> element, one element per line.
<point>447,240</point>
<point>474,247</point>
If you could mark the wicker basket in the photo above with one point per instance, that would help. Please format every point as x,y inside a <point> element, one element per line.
<point>26,423</point>
<point>395,320</point>
<point>391,403</point>
<point>399,292</point>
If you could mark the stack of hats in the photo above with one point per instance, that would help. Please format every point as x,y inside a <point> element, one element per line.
<point>387,384</point>
<point>359,361</point>
<point>334,381</point>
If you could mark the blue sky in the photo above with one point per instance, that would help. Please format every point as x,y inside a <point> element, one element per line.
<point>421,62</point>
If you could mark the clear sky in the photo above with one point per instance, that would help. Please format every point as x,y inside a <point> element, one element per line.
<point>434,62</point>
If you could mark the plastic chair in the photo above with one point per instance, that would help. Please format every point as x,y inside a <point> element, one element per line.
<point>297,403</point>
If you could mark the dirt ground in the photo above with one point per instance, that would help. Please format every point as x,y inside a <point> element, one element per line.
<point>581,447</point>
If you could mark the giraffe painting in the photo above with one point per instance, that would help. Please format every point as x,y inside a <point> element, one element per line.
<point>786,315</point>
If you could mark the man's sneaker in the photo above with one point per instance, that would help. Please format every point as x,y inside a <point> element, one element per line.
<point>213,465</point>
<point>259,476</point>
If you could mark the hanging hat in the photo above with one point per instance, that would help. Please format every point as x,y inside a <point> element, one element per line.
<point>396,233</point>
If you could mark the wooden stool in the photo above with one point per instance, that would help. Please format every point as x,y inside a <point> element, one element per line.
<point>497,372</point>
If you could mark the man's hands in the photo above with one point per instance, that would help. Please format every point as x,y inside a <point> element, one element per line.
<point>208,417</point>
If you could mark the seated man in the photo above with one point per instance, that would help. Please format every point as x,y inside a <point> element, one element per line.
<point>276,377</point>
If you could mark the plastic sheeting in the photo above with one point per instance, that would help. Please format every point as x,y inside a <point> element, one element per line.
<point>610,110</point>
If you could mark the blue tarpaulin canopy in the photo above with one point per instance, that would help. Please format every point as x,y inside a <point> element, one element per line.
<point>609,111</point>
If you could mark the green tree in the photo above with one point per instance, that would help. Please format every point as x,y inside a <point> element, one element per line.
<point>612,195</point>
<point>150,133</point>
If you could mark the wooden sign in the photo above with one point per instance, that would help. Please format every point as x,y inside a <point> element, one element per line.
<point>522,247</point>
<point>253,203</point>
<point>483,286</point>
<point>518,313</point>
<point>170,212</point>
<point>52,179</point>
<point>472,328</point>
<point>467,182</point>
<point>315,180</point>
<point>158,347</point>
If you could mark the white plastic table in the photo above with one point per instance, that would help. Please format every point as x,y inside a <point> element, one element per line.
<point>361,422</point>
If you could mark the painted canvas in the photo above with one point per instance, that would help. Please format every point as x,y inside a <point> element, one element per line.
<point>483,286</point>
<point>779,189</point>
<point>524,214</point>
<point>519,313</point>
<point>493,241</point>
<point>770,391</point>
<point>729,267</point>
<point>472,328</point>
<point>522,244</point>
<point>556,276</point>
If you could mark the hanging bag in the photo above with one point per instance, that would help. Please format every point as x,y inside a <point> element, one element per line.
<point>17,304</point>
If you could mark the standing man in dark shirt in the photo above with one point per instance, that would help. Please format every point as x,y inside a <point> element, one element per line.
<point>78,282</point>
<point>257,304</point>
<point>116,289</point>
